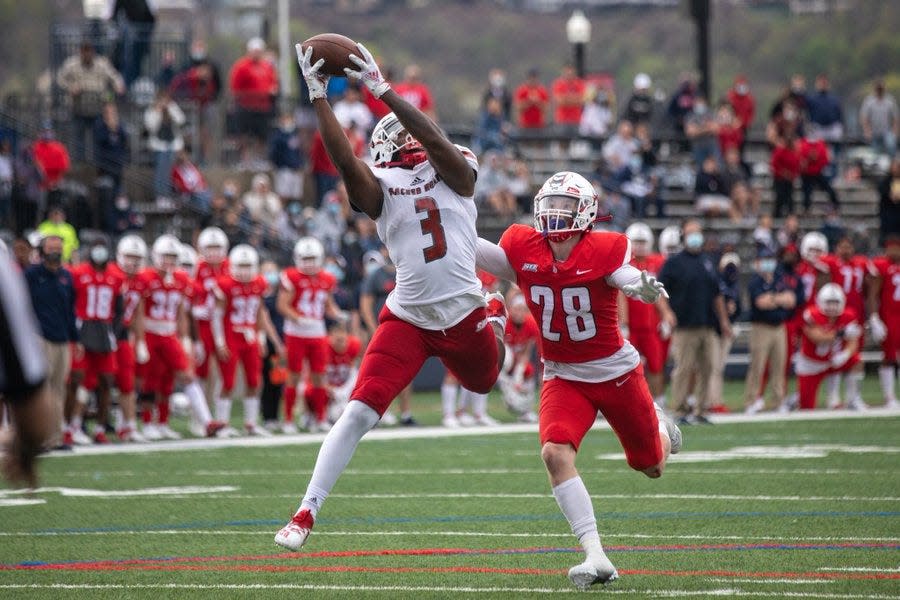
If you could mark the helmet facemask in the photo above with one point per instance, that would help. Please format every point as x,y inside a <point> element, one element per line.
<point>393,146</point>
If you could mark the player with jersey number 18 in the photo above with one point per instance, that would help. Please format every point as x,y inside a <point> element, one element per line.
<point>571,277</point>
<point>420,194</point>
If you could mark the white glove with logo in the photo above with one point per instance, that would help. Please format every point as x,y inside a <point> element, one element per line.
<point>879,329</point>
<point>368,73</point>
<point>665,330</point>
<point>840,359</point>
<point>648,290</point>
<point>315,81</point>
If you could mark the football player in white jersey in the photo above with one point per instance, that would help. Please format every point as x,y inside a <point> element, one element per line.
<point>420,194</point>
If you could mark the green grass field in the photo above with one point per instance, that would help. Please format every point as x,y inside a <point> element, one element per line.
<point>773,508</point>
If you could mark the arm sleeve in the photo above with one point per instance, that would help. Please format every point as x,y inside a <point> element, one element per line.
<point>492,258</point>
<point>624,275</point>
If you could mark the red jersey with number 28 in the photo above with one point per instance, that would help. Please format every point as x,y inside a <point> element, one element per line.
<point>570,300</point>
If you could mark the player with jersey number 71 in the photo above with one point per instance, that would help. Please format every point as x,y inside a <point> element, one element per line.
<point>570,277</point>
<point>420,194</point>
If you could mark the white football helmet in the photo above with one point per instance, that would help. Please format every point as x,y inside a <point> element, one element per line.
<point>641,237</point>
<point>813,246</point>
<point>244,263</point>
<point>131,254</point>
<point>213,245</point>
<point>670,240</point>
<point>187,260</point>
<point>831,300</point>
<point>565,205</point>
<point>309,254</point>
<point>166,253</point>
<point>393,146</point>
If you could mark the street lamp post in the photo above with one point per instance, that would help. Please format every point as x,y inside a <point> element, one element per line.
<point>578,32</point>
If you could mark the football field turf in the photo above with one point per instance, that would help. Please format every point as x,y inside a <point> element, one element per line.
<point>768,507</point>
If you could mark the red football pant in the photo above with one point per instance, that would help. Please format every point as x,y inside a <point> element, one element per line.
<point>398,349</point>
<point>568,409</point>
<point>891,344</point>
<point>125,363</point>
<point>94,364</point>
<point>204,333</point>
<point>167,357</point>
<point>247,354</point>
<point>808,385</point>
<point>315,350</point>
<point>648,344</point>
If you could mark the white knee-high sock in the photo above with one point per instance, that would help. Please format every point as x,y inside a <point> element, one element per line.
<point>852,386</point>
<point>336,451</point>
<point>448,398</point>
<point>479,404</point>
<point>223,409</point>
<point>198,402</point>
<point>251,410</point>
<point>833,389</point>
<point>886,375</point>
<point>575,503</point>
<point>465,399</point>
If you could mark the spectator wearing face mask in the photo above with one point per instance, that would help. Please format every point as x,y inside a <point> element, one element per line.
<point>729,285</point>
<point>702,129</point>
<point>742,101</point>
<point>273,372</point>
<point>694,306</point>
<point>773,296</point>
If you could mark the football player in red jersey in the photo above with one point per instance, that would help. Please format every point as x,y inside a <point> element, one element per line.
<point>571,277</point>
<point>213,246</point>
<point>829,344</point>
<point>884,314</point>
<point>131,255</point>
<point>640,321</point>
<point>305,297</point>
<point>98,290</point>
<point>342,360</point>
<point>517,379</point>
<point>239,336</point>
<point>166,297</point>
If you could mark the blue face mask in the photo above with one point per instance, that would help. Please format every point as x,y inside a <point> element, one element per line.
<point>335,270</point>
<point>272,278</point>
<point>767,265</point>
<point>693,241</point>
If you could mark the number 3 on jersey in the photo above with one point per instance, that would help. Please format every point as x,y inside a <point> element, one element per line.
<point>576,305</point>
<point>431,225</point>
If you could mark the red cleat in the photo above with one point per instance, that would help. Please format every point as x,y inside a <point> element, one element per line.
<point>100,438</point>
<point>496,308</point>
<point>293,535</point>
<point>214,427</point>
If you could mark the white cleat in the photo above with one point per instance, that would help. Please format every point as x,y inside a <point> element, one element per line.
<point>671,430</point>
<point>257,431</point>
<point>486,420</point>
<point>293,535</point>
<point>528,417</point>
<point>288,428</point>
<point>756,406</point>
<point>466,420</point>
<point>227,432</point>
<point>151,433</point>
<point>130,435</point>
<point>388,419</point>
<point>857,404</point>
<point>591,572</point>
<point>450,422</point>
<point>892,404</point>
<point>169,433</point>
<point>320,427</point>
<point>80,437</point>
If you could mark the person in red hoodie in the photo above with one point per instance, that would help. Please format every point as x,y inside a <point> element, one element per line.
<point>742,101</point>
<point>785,165</point>
<point>254,84</point>
<point>51,157</point>
<point>814,158</point>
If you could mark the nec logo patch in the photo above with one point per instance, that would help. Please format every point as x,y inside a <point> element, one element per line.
<point>530,267</point>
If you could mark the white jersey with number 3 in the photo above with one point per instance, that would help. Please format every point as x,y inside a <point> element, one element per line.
<point>429,231</point>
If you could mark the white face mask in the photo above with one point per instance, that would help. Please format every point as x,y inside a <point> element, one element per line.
<point>498,80</point>
<point>122,203</point>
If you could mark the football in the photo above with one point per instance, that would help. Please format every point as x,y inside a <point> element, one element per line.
<point>335,49</point>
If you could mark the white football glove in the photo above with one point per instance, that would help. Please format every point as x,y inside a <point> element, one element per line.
<point>368,73</point>
<point>648,290</point>
<point>879,329</point>
<point>840,359</point>
<point>665,330</point>
<point>199,353</point>
<point>315,81</point>
<point>141,353</point>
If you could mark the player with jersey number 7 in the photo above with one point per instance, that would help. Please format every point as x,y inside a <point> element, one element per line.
<point>420,194</point>
<point>570,277</point>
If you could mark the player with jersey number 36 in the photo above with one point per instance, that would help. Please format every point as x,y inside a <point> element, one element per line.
<point>420,194</point>
<point>571,277</point>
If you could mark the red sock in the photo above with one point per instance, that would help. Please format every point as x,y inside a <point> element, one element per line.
<point>317,399</point>
<point>163,408</point>
<point>147,415</point>
<point>290,399</point>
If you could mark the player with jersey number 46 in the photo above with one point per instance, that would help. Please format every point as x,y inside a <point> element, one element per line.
<point>420,194</point>
<point>570,277</point>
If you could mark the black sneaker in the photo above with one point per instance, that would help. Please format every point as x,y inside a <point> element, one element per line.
<point>702,420</point>
<point>409,421</point>
<point>684,420</point>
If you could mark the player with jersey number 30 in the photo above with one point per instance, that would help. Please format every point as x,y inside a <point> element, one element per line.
<point>571,277</point>
<point>420,194</point>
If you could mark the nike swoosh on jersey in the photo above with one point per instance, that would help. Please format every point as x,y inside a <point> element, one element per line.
<point>582,272</point>
<point>621,383</point>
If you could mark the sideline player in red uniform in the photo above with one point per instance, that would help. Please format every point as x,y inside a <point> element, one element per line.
<point>829,344</point>
<point>213,246</point>
<point>571,277</point>
<point>421,195</point>
<point>884,315</point>
<point>517,380</point>
<point>343,355</point>
<point>166,297</point>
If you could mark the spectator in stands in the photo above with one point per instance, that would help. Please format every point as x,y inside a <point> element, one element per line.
<point>286,156</point>
<point>415,91</point>
<point>784,123</point>
<point>497,88</point>
<point>200,83</point>
<point>702,129</point>
<point>729,285</point>
<point>163,121</point>
<point>136,21</point>
<point>880,120</point>
<point>773,297</point>
<point>889,204</point>
<point>744,197</point>
<point>615,204</point>
<point>22,252</point>
<point>639,108</point>
<point>26,195</point>
<point>694,307</point>
<point>597,117</point>
<point>789,233</point>
<point>52,160</point>
<point>351,111</point>
<point>531,102</point>
<point>188,181</point>
<point>492,186</point>
<point>520,185</point>
<point>742,103</point>
<point>645,185</point>
<point>794,94</point>
<point>764,239</point>
<point>330,221</point>
<point>568,99</point>
<point>122,217</point>
<point>826,119</point>
<point>111,148</point>
<point>620,152</point>
<point>785,166</point>
<point>7,176</point>
<point>53,300</point>
<point>167,70</point>
<point>253,83</point>
<point>814,159</point>
<point>261,202</point>
<point>274,367</point>
<point>491,134</point>
<point>833,227</point>
<point>710,192</point>
<point>681,104</point>
<point>729,129</point>
<point>323,170</point>
<point>57,226</point>
<point>89,80</point>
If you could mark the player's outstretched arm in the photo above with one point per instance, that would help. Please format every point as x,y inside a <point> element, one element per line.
<point>639,285</point>
<point>492,258</point>
<point>362,185</point>
<point>446,158</point>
